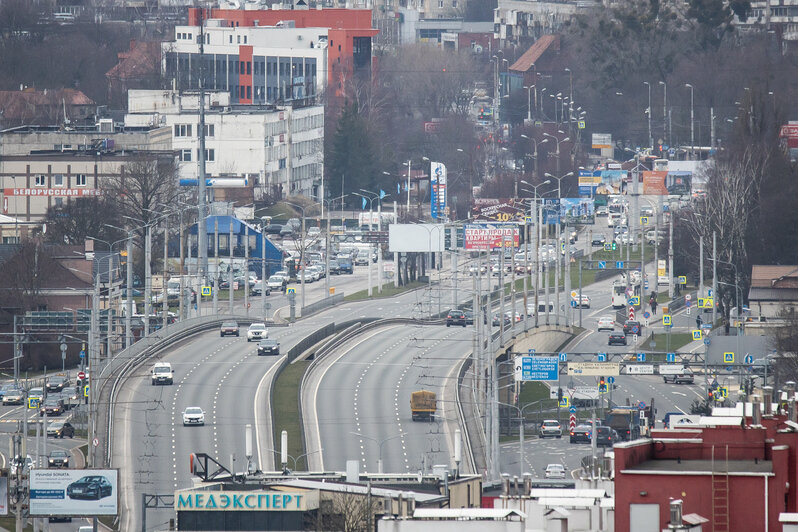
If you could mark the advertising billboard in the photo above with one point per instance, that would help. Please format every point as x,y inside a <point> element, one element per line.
<point>589,182</point>
<point>498,210</point>
<point>416,238</point>
<point>486,237</point>
<point>76,492</point>
<point>551,211</point>
<point>438,194</point>
<point>663,183</point>
<point>578,210</point>
<point>611,182</point>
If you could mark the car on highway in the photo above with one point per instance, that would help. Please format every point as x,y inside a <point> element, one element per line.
<point>606,323</point>
<point>90,487</point>
<point>469,317</point>
<point>13,395</point>
<point>456,317</point>
<point>686,378</point>
<point>58,458</point>
<point>60,429</point>
<point>56,383</point>
<point>162,373</point>
<point>581,433</point>
<point>268,347</point>
<point>555,471</point>
<point>344,265</point>
<point>257,331</point>
<point>193,415</point>
<point>52,407</point>
<point>36,393</point>
<point>616,338</point>
<point>256,288</point>
<point>632,327</point>
<point>605,437</point>
<point>229,327</point>
<point>599,240</point>
<point>363,257</point>
<point>584,302</point>
<point>550,428</point>
<point>277,282</point>
<point>497,319</point>
<point>335,269</point>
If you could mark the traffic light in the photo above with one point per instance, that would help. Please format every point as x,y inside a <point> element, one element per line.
<point>559,395</point>
<point>614,246</point>
<point>710,395</point>
<point>602,385</point>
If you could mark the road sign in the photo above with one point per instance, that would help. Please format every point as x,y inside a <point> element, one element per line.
<point>696,334</point>
<point>539,368</point>
<point>581,124</point>
<point>206,291</point>
<point>602,264</point>
<point>710,293</point>
<point>572,422</point>
<point>706,340</point>
<point>563,357</point>
<point>594,369</point>
<point>670,357</point>
<point>683,280</point>
<point>641,405</point>
<point>646,314</point>
<point>81,375</point>
<point>572,409</point>
<point>607,247</point>
<point>688,304</point>
<point>644,220</point>
<point>95,442</point>
<point>631,313</point>
<point>635,329</point>
<point>34,402</point>
<point>601,357</point>
<point>748,359</point>
<point>528,220</point>
<point>688,297</point>
<point>641,357</point>
<point>666,319</point>
<point>573,304</point>
<point>82,354</point>
<point>565,403</point>
<point>619,264</point>
<point>634,300</point>
<point>86,391</point>
<point>611,380</point>
<point>728,357</point>
<point>643,369</point>
<point>634,338</point>
<point>290,291</point>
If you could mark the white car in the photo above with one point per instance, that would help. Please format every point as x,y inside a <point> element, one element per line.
<point>257,331</point>
<point>606,323</point>
<point>585,301</point>
<point>555,471</point>
<point>663,279</point>
<point>550,427</point>
<point>193,415</point>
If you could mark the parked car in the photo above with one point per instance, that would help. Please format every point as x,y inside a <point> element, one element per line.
<point>550,428</point>
<point>456,317</point>
<point>268,347</point>
<point>606,323</point>
<point>616,338</point>
<point>229,328</point>
<point>555,471</point>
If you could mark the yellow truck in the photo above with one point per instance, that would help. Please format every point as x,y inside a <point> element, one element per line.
<point>423,405</point>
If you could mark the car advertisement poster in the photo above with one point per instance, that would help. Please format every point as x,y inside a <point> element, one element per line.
<point>499,210</point>
<point>74,492</point>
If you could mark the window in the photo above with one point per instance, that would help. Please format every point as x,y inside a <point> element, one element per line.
<point>58,180</point>
<point>249,92</point>
<point>454,4</point>
<point>185,156</point>
<point>40,180</point>
<point>209,130</point>
<point>231,39</point>
<point>183,130</point>
<point>245,39</point>
<point>210,155</point>
<point>249,67</point>
<point>59,202</point>
<point>80,180</point>
<point>238,39</point>
<point>440,3</point>
<point>282,163</point>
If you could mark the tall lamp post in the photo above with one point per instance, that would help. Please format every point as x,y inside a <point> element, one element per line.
<point>557,152</point>
<point>535,155</point>
<point>692,122</point>
<point>301,254</point>
<point>664,111</point>
<point>380,443</point>
<point>567,254</point>
<point>648,113</point>
<point>537,245</point>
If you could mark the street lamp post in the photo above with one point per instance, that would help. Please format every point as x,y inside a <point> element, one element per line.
<point>648,113</point>
<point>301,254</point>
<point>664,111</point>
<point>380,443</point>
<point>534,214</point>
<point>558,247</point>
<point>529,102</point>
<point>692,122</point>
<point>535,155</point>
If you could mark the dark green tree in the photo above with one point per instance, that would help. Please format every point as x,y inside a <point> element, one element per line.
<point>714,18</point>
<point>352,156</point>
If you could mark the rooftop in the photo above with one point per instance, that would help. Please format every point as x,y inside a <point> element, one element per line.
<point>702,467</point>
<point>531,56</point>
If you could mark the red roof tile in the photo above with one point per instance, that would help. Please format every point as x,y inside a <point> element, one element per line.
<point>531,56</point>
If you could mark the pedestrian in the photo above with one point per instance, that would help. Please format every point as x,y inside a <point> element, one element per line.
<point>653,304</point>
<point>698,321</point>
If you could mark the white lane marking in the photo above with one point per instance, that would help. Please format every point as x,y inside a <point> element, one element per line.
<point>258,393</point>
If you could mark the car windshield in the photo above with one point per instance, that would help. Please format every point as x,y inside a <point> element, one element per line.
<point>161,369</point>
<point>229,324</point>
<point>56,425</point>
<point>56,380</point>
<point>268,343</point>
<point>257,327</point>
<point>91,479</point>
<point>58,454</point>
<point>193,410</point>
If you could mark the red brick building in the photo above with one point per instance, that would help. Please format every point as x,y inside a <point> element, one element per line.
<point>739,477</point>
<point>349,48</point>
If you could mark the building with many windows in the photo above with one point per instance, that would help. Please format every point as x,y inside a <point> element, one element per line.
<point>273,151</point>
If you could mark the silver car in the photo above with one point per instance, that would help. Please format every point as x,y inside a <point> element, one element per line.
<point>550,428</point>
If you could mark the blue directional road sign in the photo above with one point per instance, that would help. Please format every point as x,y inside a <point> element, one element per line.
<point>749,359</point>
<point>602,265</point>
<point>563,357</point>
<point>619,264</point>
<point>611,380</point>
<point>82,353</point>
<point>572,409</point>
<point>602,357</point>
<point>710,293</point>
<point>573,304</point>
<point>641,357</point>
<point>540,368</point>
<point>634,300</point>
<point>706,340</point>
<point>670,357</point>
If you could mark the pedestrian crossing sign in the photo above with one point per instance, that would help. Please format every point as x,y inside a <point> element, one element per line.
<point>696,334</point>
<point>34,402</point>
<point>666,319</point>
<point>728,358</point>
<point>290,290</point>
<point>206,291</point>
<point>565,403</point>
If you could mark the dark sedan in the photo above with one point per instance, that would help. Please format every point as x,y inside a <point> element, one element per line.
<point>632,327</point>
<point>581,434</point>
<point>92,487</point>
<point>604,437</point>
<point>456,317</point>
<point>616,338</point>
<point>268,347</point>
<point>58,458</point>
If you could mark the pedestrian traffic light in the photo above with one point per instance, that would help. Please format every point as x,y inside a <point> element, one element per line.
<point>614,246</point>
<point>602,385</point>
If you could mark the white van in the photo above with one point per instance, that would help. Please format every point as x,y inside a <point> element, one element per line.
<point>613,219</point>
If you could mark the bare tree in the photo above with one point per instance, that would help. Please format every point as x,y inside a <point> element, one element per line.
<point>346,512</point>
<point>79,218</point>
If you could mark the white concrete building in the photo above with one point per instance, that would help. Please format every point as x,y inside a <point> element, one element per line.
<point>519,22</point>
<point>254,64</point>
<point>279,150</point>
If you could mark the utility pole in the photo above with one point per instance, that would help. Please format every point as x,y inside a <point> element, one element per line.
<point>147,278</point>
<point>700,266</point>
<point>202,233</point>
<point>216,261</point>
<point>129,302</point>
<point>165,301</point>
<point>246,269</point>
<point>715,279</point>
<point>670,254</point>
<point>230,268</point>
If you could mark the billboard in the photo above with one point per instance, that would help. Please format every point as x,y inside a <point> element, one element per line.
<point>438,195</point>
<point>663,183</point>
<point>486,237</point>
<point>498,210</point>
<point>589,182</point>
<point>611,182</point>
<point>594,368</point>
<point>578,210</point>
<point>601,141</point>
<point>76,492</point>
<point>551,211</point>
<point>416,238</point>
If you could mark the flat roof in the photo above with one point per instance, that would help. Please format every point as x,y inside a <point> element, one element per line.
<point>560,492</point>
<point>357,488</point>
<point>702,466</point>
<point>461,514</point>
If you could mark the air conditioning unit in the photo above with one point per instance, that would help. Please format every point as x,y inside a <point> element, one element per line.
<point>105,125</point>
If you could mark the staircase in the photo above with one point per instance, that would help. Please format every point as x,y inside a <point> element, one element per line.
<point>720,490</point>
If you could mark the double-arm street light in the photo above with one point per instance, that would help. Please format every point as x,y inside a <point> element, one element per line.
<point>648,113</point>
<point>557,152</point>
<point>380,443</point>
<point>664,111</point>
<point>301,254</point>
<point>537,253</point>
<point>535,155</point>
<point>692,122</point>
<point>565,243</point>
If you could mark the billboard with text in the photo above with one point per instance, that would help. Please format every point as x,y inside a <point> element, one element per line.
<point>75,492</point>
<point>578,210</point>
<point>487,236</point>
<point>498,210</point>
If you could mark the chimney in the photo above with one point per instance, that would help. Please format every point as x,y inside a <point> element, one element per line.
<point>676,515</point>
<point>768,399</point>
<point>527,484</point>
<point>756,415</point>
<point>506,485</point>
<point>515,487</point>
<point>789,386</point>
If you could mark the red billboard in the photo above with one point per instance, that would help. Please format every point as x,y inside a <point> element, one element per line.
<point>486,237</point>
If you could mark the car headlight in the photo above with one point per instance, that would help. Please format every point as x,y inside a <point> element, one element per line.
<point>52,461</point>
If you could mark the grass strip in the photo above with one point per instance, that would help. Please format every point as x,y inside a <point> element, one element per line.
<point>285,409</point>
<point>388,290</point>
